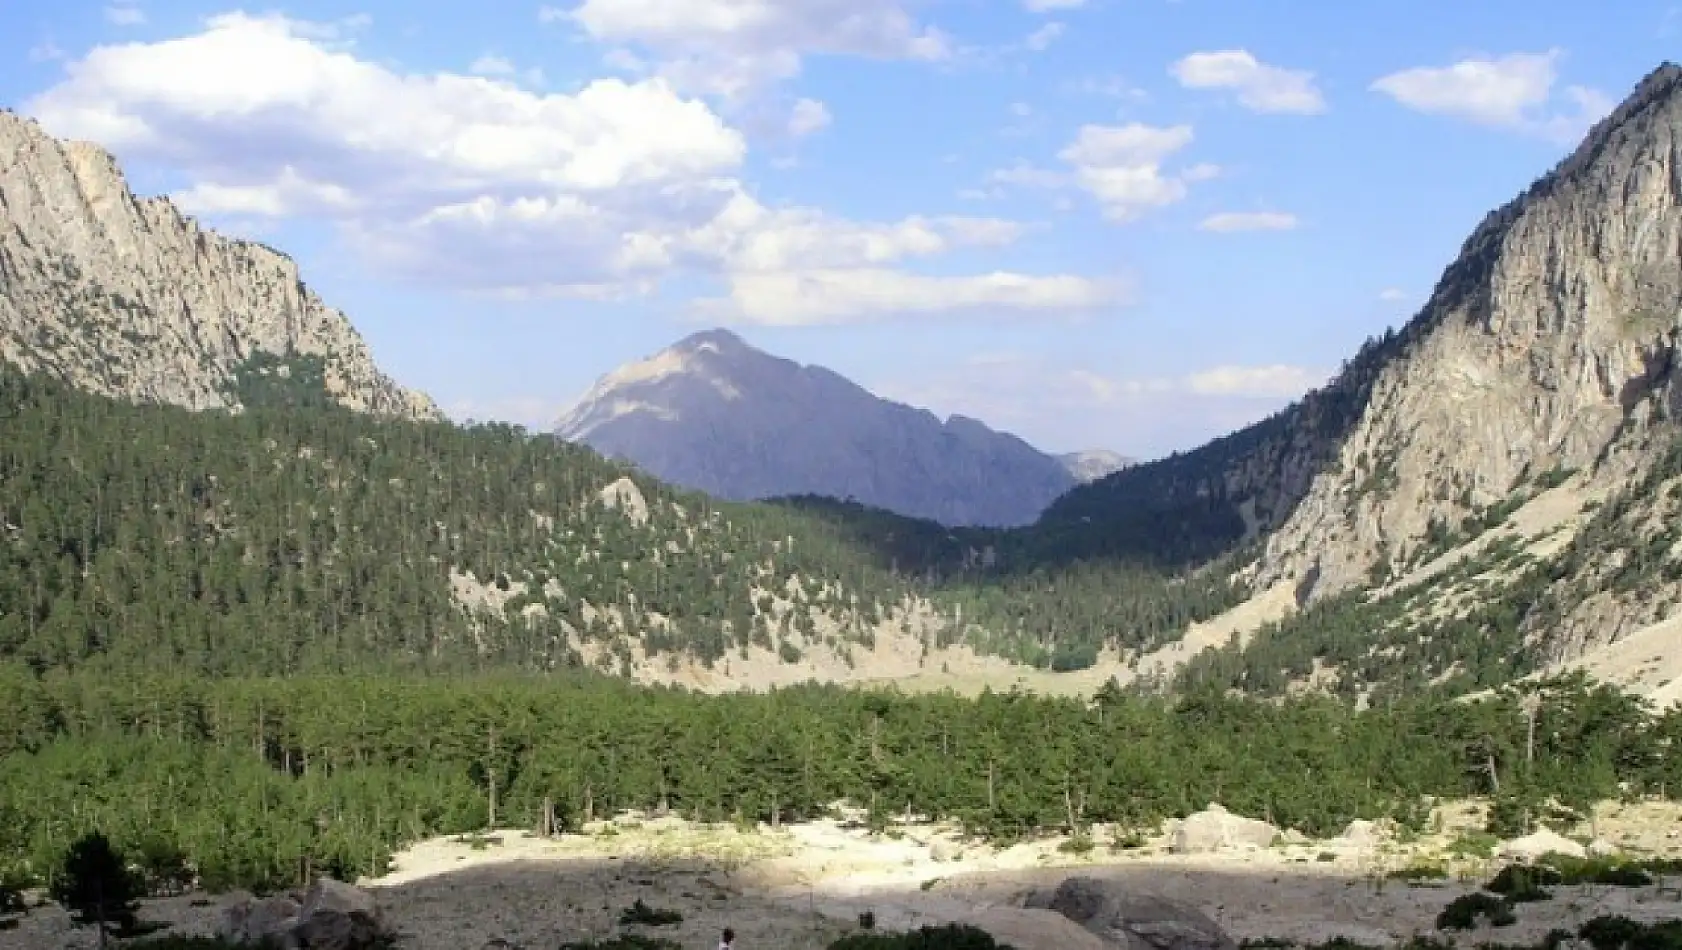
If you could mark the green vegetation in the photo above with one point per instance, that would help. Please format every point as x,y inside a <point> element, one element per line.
<point>626,942</point>
<point>946,937</point>
<point>641,913</point>
<point>300,538</point>
<point>1464,911</point>
<point>1481,622</point>
<point>252,781</point>
<point>95,885</point>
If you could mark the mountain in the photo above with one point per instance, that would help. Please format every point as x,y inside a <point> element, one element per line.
<point>717,415</point>
<point>1089,465</point>
<point>124,296</point>
<point>1492,489</point>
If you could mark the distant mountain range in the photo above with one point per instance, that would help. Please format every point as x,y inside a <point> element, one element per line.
<point>716,414</point>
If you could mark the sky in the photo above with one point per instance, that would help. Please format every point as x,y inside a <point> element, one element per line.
<point>1121,224</point>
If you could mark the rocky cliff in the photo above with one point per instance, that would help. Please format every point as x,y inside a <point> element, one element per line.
<point>1549,345</point>
<point>124,296</point>
<point>1089,465</point>
<point>1499,481</point>
<point>715,414</point>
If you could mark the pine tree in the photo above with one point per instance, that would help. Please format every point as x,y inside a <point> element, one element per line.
<point>96,886</point>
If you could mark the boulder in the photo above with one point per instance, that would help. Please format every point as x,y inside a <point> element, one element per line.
<point>1215,828</point>
<point>941,849</point>
<point>1538,843</point>
<point>1601,848</point>
<point>1128,920</point>
<point>340,916</point>
<point>1362,833</point>
<point>333,916</point>
<point>270,921</point>
<point>1034,929</point>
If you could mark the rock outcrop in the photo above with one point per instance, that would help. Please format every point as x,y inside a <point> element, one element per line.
<point>1548,347</point>
<point>1549,344</point>
<point>1540,843</point>
<point>333,915</point>
<point>1215,829</point>
<point>1130,920</point>
<point>124,296</point>
<point>715,414</point>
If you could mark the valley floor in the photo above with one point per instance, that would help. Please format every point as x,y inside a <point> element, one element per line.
<point>804,885</point>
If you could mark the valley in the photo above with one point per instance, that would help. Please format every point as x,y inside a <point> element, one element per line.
<point>267,618</point>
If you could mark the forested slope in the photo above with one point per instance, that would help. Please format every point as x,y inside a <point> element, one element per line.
<point>298,536</point>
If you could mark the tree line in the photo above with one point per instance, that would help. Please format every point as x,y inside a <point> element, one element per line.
<point>253,781</point>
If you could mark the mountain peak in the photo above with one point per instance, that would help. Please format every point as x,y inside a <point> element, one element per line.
<point>713,413</point>
<point>718,338</point>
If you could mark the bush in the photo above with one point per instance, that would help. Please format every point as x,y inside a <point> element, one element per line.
<point>1420,871</point>
<point>948,937</point>
<point>1511,817</point>
<point>1608,871</point>
<point>1076,844</point>
<point>1520,883</point>
<point>625,942</point>
<point>1463,912</point>
<point>640,913</point>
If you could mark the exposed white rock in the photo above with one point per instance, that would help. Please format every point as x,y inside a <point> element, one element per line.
<point>125,297</point>
<point>1541,842</point>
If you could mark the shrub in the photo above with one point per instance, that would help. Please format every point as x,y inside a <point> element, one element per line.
<point>641,913</point>
<point>948,937</point>
<point>1463,912</point>
<point>1520,883</point>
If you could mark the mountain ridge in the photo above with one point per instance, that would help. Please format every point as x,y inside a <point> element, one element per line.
<point>125,296</point>
<point>712,413</point>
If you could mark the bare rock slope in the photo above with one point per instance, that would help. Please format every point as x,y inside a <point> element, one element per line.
<point>126,297</point>
<point>715,414</point>
<point>1550,344</point>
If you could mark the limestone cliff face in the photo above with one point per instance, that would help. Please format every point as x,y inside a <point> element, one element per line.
<point>1550,343</point>
<point>125,297</point>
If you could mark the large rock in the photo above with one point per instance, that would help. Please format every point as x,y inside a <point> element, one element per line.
<point>1034,929</point>
<point>1361,833</point>
<point>1539,843</point>
<point>270,920</point>
<point>1131,920</point>
<point>333,916</point>
<point>340,916</point>
<point>1215,828</point>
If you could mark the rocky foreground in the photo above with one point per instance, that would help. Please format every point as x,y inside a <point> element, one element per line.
<point>1203,883</point>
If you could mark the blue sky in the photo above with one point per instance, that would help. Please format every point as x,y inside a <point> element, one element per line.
<point>1130,224</point>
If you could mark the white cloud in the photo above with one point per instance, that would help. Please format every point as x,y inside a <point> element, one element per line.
<point>1392,295</point>
<point>1043,37</point>
<point>536,413</point>
<point>124,14</point>
<point>1121,166</point>
<point>475,184</point>
<point>1046,6</point>
<point>792,298</point>
<point>1059,406</point>
<point>808,116</point>
<point>1510,92</point>
<point>729,48</point>
<point>1111,87</point>
<point>1230,221</point>
<point>1260,87</point>
<point>492,65</point>
<point>1259,381</point>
